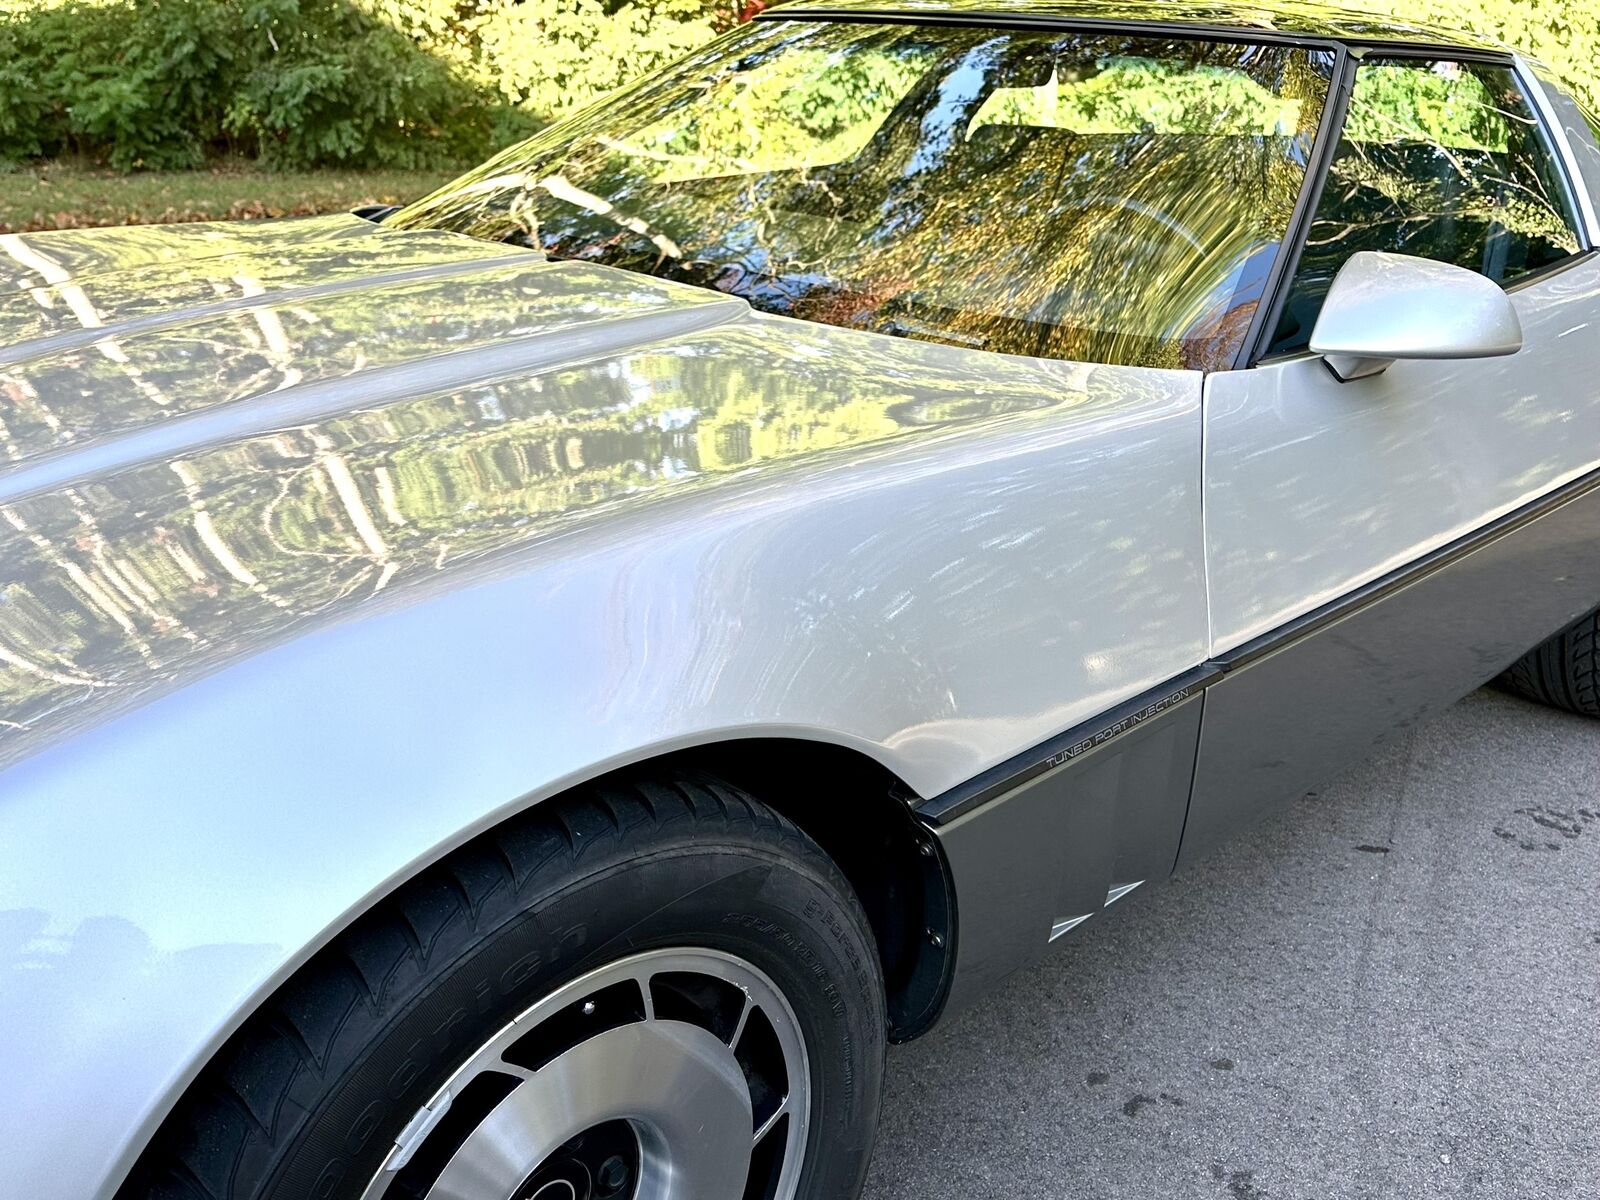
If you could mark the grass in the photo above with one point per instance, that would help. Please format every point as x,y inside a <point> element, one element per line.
<point>65,195</point>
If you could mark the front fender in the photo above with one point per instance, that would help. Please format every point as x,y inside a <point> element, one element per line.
<point>938,604</point>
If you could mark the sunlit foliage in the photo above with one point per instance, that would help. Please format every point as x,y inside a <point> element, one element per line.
<point>408,83</point>
<point>169,83</point>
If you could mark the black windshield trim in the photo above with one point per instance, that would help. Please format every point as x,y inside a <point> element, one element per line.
<point>1281,282</point>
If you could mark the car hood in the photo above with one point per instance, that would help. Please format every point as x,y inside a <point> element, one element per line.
<point>215,437</point>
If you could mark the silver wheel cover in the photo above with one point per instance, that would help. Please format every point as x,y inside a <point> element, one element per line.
<point>679,1086</point>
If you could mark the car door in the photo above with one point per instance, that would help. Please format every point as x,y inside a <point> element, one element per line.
<point>1357,576</point>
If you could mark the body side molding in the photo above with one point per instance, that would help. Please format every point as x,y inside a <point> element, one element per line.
<point>1287,717</point>
<point>950,805</point>
<point>1048,840</point>
<point>964,798</point>
<point>1047,856</point>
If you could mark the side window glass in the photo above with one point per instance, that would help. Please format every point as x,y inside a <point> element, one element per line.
<point>1440,159</point>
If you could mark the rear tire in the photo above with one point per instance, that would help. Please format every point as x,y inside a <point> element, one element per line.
<point>632,913</point>
<point>1564,671</point>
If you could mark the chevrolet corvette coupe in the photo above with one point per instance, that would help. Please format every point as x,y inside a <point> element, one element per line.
<point>522,696</point>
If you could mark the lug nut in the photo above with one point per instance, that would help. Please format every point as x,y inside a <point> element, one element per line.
<point>613,1175</point>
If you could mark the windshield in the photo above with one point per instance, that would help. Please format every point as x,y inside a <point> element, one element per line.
<point>1096,197</point>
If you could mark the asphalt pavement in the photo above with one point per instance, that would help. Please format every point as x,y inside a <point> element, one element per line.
<point>1390,989</point>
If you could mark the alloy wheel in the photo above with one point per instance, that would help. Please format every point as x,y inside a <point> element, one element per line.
<point>671,1075</point>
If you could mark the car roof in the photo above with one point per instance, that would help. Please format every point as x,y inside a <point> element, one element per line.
<point>1283,19</point>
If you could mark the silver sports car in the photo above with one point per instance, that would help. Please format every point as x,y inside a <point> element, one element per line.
<point>520,697</point>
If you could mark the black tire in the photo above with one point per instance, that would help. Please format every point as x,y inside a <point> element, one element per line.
<point>1564,671</point>
<point>308,1098</point>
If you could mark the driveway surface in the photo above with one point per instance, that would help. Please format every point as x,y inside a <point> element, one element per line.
<point>1391,989</point>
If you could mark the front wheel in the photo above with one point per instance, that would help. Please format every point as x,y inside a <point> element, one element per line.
<point>1563,671</point>
<point>660,991</point>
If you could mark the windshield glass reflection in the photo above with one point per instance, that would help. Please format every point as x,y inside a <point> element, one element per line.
<point>1101,198</point>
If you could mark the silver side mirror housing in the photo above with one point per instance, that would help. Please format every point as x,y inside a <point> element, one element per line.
<point>1384,307</point>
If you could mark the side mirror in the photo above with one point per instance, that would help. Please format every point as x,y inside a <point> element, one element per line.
<point>1384,307</point>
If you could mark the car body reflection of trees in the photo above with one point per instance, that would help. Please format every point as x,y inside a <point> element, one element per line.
<point>113,586</point>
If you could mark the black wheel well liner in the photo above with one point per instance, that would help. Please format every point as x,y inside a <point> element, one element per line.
<point>861,814</point>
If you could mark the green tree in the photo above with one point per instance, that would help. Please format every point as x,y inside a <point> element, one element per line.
<point>167,83</point>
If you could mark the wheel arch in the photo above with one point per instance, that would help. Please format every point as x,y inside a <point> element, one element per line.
<point>861,814</point>
<point>857,810</point>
